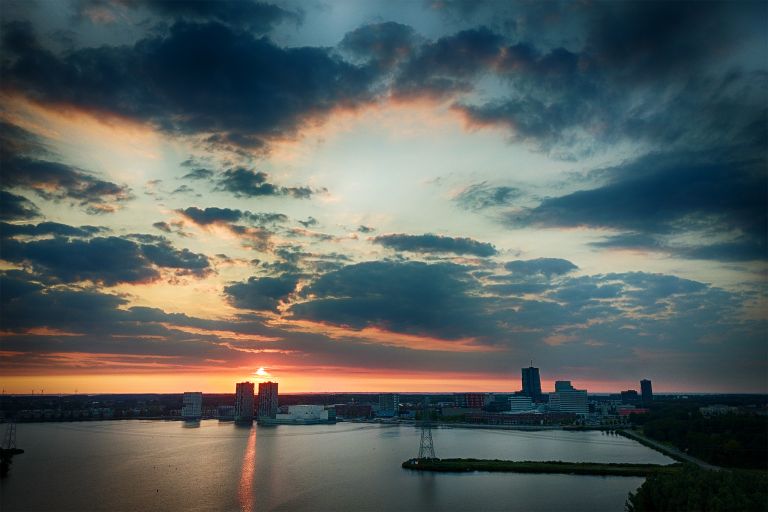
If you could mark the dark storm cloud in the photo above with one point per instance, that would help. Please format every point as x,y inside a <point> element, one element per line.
<point>264,293</point>
<point>449,64</point>
<point>680,60</point>
<point>410,297</point>
<point>255,16</point>
<point>197,79</point>
<point>384,44</point>
<point>247,183</point>
<point>13,207</point>
<point>481,196</point>
<point>544,266</point>
<point>48,228</point>
<point>105,260</point>
<point>663,194</point>
<point>21,167</point>
<point>652,40</point>
<point>430,243</point>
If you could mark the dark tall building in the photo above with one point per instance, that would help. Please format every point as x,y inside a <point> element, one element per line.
<point>532,383</point>
<point>244,402</point>
<point>267,400</point>
<point>646,391</point>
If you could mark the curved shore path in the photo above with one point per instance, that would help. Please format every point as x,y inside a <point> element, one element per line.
<point>669,450</point>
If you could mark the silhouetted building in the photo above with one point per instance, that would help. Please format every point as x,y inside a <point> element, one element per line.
<point>532,383</point>
<point>563,385</point>
<point>267,399</point>
<point>244,401</point>
<point>389,404</point>
<point>646,390</point>
<point>629,396</point>
<point>192,405</point>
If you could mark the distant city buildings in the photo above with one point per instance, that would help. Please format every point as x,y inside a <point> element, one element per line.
<point>192,405</point>
<point>532,383</point>
<point>646,390</point>
<point>566,399</point>
<point>225,412</point>
<point>389,404</point>
<point>267,400</point>
<point>629,396</point>
<point>244,402</point>
<point>471,400</point>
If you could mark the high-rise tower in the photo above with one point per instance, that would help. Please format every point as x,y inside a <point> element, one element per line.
<point>244,402</point>
<point>532,383</point>
<point>267,400</point>
<point>647,391</point>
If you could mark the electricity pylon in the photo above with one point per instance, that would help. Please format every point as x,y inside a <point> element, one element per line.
<point>426,447</point>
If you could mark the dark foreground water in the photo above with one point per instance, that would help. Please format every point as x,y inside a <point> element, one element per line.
<point>155,465</point>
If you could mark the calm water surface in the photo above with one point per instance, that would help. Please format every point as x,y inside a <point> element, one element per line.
<point>156,465</point>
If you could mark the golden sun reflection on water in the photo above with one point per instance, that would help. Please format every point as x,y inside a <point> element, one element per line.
<point>245,490</point>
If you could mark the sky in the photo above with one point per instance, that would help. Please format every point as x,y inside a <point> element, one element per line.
<point>383,195</point>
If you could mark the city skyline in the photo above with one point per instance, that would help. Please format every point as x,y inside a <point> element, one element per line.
<point>407,196</point>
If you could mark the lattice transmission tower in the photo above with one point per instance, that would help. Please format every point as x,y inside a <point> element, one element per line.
<point>9,443</point>
<point>426,447</point>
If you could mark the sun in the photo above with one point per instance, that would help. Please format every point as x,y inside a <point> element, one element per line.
<point>261,372</point>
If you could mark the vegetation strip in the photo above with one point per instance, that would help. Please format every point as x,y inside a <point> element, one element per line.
<point>571,468</point>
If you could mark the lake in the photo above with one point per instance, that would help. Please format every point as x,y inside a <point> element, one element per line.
<point>158,465</point>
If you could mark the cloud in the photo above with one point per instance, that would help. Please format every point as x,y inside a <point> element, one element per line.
<point>742,248</point>
<point>408,297</point>
<point>384,44</point>
<point>448,65</point>
<point>256,235</point>
<point>162,226</point>
<point>53,181</point>
<point>263,293</point>
<point>104,260</point>
<point>247,183</point>
<point>666,194</point>
<point>365,229</point>
<point>204,217</point>
<point>48,228</point>
<point>311,221</point>
<point>481,196</point>
<point>13,207</point>
<point>430,243</point>
<point>255,16</point>
<point>544,266</point>
<point>203,79</point>
<point>199,174</point>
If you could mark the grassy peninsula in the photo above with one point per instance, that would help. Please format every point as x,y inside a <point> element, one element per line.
<point>571,468</point>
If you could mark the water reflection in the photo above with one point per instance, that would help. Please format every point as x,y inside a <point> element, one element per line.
<point>245,490</point>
